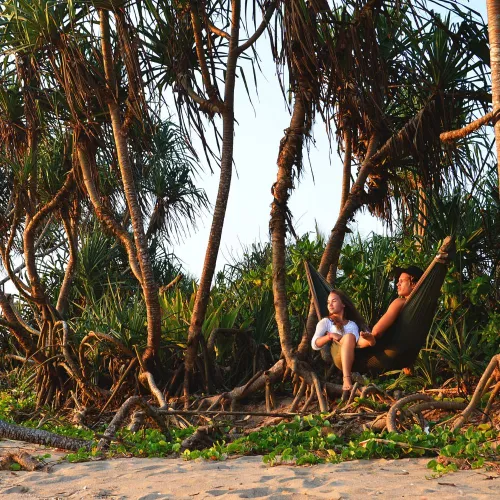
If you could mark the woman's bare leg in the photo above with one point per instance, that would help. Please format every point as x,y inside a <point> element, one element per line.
<point>347,346</point>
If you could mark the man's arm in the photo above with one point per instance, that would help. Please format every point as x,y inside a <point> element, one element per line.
<point>370,338</point>
<point>388,318</point>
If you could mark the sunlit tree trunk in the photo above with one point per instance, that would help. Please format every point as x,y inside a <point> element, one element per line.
<point>290,150</point>
<point>493,7</point>
<point>149,287</point>
<point>330,257</point>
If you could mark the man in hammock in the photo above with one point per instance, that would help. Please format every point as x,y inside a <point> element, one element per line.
<point>406,279</point>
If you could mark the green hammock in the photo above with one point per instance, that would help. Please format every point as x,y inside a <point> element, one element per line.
<point>401,343</point>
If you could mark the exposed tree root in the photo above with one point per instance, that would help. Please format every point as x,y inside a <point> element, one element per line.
<point>374,389</point>
<point>437,405</point>
<point>492,366</point>
<point>147,379</point>
<point>398,405</point>
<point>274,373</point>
<point>123,413</point>
<point>493,395</point>
<point>132,363</point>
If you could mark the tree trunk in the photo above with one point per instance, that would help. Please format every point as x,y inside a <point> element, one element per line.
<point>203,292</point>
<point>290,150</point>
<point>37,436</point>
<point>70,223</point>
<point>421,222</point>
<point>346,175</point>
<point>149,287</point>
<point>493,7</point>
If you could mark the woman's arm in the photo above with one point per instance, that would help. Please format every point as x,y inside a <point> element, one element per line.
<point>322,336</point>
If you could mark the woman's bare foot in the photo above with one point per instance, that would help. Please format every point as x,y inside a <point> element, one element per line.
<point>347,386</point>
<point>369,337</point>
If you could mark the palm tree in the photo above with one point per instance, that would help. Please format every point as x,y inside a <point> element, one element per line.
<point>400,123</point>
<point>493,7</point>
<point>59,73</point>
<point>146,279</point>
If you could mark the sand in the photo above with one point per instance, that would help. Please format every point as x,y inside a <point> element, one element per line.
<point>243,477</point>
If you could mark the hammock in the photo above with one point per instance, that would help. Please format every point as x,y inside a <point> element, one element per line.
<point>400,344</point>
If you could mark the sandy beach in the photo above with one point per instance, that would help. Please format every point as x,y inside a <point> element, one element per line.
<point>243,477</point>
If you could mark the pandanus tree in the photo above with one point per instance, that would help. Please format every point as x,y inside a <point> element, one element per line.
<point>200,58</point>
<point>361,71</point>
<point>83,92</point>
<point>493,7</point>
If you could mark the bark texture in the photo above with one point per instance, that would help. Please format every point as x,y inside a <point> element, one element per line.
<point>226,169</point>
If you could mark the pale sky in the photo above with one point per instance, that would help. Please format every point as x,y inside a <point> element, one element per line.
<point>257,137</point>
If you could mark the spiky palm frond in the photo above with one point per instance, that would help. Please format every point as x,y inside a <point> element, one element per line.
<point>167,171</point>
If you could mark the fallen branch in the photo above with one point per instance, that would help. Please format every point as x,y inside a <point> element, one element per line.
<point>221,412</point>
<point>25,460</point>
<point>38,436</point>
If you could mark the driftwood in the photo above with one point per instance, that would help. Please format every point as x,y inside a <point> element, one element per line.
<point>25,460</point>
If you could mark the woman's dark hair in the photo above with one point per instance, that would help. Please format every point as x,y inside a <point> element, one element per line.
<point>350,311</point>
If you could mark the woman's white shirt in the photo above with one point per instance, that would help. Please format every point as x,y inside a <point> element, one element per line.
<point>326,325</point>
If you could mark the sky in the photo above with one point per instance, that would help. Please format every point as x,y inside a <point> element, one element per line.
<point>316,198</point>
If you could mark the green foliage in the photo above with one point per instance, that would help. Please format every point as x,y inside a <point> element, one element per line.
<point>16,404</point>
<point>311,440</point>
<point>304,440</point>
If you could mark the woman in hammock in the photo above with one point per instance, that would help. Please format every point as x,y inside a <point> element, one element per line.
<point>406,279</point>
<point>341,325</point>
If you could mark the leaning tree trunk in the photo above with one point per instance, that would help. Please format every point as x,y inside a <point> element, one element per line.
<point>203,292</point>
<point>346,174</point>
<point>493,7</point>
<point>149,287</point>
